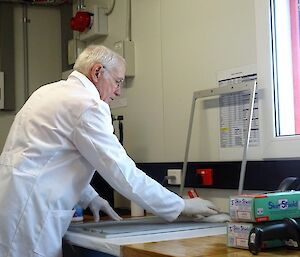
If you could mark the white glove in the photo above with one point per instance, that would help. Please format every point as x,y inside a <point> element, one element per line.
<point>200,206</point>
<point>98,204</point>
<point>220,217</point>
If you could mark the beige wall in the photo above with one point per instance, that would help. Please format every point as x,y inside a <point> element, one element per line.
<point>180,47</point>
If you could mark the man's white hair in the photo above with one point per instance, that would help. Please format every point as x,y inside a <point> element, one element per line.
<point>97,54</point>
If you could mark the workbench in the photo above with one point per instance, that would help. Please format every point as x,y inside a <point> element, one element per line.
<point>210,246</point>
<point>112,246</point>
<point>210,242</point>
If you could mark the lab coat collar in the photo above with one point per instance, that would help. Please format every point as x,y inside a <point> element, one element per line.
<point>85,82</point>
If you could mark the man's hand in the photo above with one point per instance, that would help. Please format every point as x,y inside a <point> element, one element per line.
<point>98,204</point>
<point>200,206</point>
<point>220,217</point>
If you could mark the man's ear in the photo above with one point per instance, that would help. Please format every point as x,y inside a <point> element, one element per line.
<point>96,72</point>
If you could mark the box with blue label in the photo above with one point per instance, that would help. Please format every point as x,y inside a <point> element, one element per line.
<point>238,234</point>
<point>265,207</point>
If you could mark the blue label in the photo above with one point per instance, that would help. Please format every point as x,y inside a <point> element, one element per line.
<point>78,211</point>
<point>240,202</point>
<point>283,204</point>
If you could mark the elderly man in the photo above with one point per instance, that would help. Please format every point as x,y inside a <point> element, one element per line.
<point>58,139</point>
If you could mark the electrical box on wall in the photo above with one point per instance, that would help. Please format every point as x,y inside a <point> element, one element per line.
<point>125,48</point>
<point>1,90</point>
<point>99,24</point>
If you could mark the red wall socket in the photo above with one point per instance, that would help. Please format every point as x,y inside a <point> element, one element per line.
<point>207,176</point>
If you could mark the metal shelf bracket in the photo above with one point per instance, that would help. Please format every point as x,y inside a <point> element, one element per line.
<point>228,89</point>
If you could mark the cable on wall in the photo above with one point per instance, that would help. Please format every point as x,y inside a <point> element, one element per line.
<point>128,21</point>
<point>25,51</point>
<point>111,8</point>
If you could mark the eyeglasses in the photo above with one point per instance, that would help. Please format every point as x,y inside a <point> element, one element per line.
<point>118,82</point>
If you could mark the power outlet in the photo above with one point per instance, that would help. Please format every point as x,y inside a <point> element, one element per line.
<point>176,173</point>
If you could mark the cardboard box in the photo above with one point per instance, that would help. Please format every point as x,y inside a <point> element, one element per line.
<point>238,233</point>
<point>265,207</point>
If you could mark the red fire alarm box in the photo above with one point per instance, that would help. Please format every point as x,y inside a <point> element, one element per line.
<point>207,176</point>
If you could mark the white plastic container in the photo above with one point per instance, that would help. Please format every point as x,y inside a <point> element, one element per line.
<point>136,210</point>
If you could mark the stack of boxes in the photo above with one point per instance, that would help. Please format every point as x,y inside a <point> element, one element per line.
<point>259,210</point>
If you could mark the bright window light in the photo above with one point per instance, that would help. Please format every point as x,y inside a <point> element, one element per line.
<point>286,66</point>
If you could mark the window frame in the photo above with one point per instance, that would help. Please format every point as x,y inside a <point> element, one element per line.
<point>273,147</point>
<point>294,16</point>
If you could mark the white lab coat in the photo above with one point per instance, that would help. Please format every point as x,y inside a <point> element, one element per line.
<point>59,138</point>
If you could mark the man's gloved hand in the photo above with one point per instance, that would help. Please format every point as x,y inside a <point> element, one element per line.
<point>220,217</point>
<point>98,204</point>
<point>200,206</point>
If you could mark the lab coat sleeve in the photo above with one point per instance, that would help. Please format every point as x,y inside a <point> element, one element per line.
<point>87,196</point>
<point>94,138</point>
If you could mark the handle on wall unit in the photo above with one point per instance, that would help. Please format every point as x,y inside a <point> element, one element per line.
<point>1,90</point>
